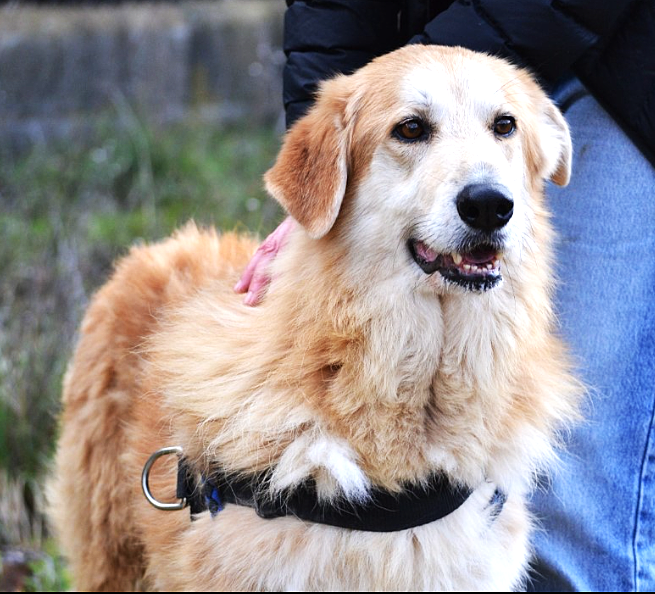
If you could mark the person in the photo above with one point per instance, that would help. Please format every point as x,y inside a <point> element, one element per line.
<point>597,60</point>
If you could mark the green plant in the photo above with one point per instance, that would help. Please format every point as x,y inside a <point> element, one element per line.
<point>48,573</point>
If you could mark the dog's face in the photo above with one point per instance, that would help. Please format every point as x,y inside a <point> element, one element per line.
<point>435,156</point>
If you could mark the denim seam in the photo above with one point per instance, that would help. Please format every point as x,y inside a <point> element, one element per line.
<point>650,439</point>
<point>572,99</point>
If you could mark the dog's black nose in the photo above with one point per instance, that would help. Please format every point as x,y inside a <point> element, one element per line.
<point>484,206</point>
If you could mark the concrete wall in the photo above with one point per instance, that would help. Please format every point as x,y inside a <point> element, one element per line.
<point>219,60</point>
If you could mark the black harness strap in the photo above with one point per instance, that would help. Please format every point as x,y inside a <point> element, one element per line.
<point>383,511</point>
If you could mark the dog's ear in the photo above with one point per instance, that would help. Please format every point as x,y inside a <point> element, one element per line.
<point>556,145</point>
<point>310,174</point>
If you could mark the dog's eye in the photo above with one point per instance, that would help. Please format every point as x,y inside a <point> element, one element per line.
<point>504,126</point>
<point>413,129</point>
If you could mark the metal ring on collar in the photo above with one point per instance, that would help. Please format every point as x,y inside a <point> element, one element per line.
<point>144,480</point>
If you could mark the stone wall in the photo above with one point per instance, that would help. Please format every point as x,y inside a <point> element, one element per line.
<point>220,60</point>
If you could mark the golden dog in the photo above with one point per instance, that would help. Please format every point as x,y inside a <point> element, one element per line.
<point>407,334</point>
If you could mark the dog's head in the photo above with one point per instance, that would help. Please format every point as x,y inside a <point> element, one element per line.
<point>433,156</point>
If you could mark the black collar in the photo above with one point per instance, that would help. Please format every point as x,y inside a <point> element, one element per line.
<point>384,511</point>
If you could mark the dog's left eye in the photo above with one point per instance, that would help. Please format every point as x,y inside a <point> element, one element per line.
<point>412,129</point>
<point>504,126</point>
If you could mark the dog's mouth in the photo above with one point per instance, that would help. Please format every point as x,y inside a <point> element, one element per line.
<point>477,269</point>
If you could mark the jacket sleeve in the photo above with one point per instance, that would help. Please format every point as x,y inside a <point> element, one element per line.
<point>327,37</point>
<point>546,36</point>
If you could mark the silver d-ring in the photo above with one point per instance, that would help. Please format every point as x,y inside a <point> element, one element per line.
<point>144,480</point>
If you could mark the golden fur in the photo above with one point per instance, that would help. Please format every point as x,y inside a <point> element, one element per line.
<point>358,369</point>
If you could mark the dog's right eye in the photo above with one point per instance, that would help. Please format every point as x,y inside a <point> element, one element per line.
<point>411,130</point>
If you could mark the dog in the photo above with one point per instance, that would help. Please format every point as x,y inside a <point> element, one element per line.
<point>406,352</point>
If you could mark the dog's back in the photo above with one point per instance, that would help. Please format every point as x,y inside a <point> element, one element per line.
<point>91,498</point>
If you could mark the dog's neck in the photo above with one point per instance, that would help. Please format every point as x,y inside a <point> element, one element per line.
<point>403,380</point>
<point>380,352</point>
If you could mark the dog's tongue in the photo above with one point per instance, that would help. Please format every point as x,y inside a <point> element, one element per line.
<point>479,256</point>
<point>425,253</point>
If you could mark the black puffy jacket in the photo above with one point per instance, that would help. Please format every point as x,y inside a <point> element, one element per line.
<point>608,44</point>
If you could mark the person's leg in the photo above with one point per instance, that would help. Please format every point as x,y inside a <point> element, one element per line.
<point>598,518</point>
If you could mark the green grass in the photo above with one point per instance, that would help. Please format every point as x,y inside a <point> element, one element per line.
<point>66,213</point>
<point>48,573</point>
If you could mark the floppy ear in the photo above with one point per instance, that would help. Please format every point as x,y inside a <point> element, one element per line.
<point>310,174</point>
<point>556,145</point>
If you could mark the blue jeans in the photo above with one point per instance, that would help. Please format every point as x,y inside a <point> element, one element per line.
<point>598,512</point>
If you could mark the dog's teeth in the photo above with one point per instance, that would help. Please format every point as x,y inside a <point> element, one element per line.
<point>456,258</point>
<point>467,267</point>
<point>496,263</point>
<point>489,267</point>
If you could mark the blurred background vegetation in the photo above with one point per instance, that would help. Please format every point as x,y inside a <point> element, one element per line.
<point>89,183</point>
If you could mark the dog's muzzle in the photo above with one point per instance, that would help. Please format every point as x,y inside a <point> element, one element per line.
<point>476,268</point>
<point>475,264</point>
